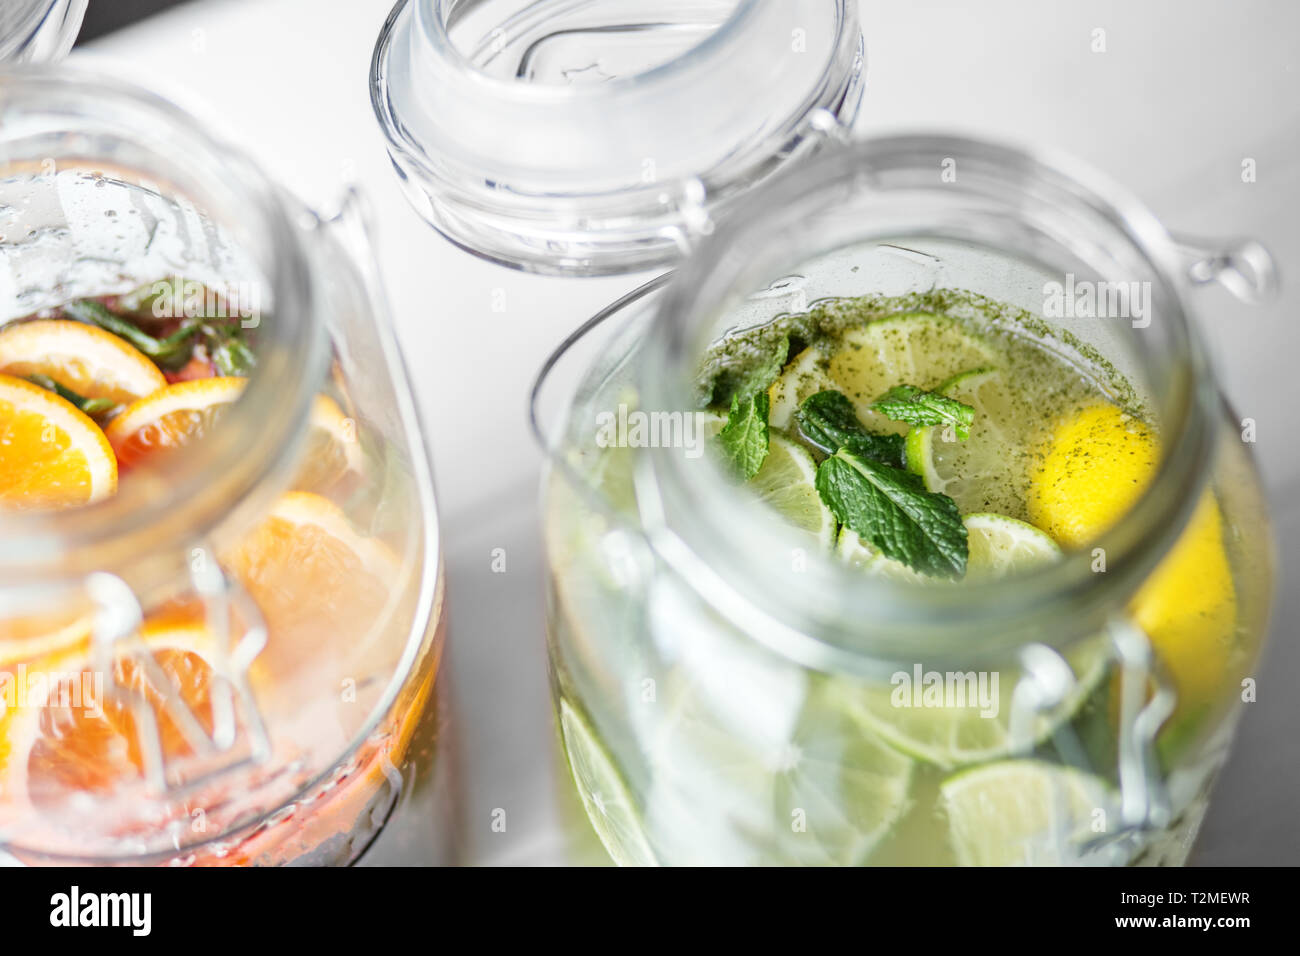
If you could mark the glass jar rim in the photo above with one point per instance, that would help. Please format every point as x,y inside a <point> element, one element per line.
<point>914,619</point>
<point>44,30</point>
<point>546,198</point>
<point>434,29</point>
<point>199,487</point>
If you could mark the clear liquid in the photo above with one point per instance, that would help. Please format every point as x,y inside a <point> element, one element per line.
<point>690,744</point>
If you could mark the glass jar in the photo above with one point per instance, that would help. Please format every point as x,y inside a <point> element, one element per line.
<point>596,137</point>
<point>232,659</point>
<point>37,31</point>
<point>726,693</point>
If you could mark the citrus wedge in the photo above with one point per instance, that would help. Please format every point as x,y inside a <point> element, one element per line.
<point>1027,813</point>
<point>605,797</point>
<point>984,473</point>
<point>24,637</point>
<point>1092,470</point>
<point>68,735</point>
<point>916,348</point>
<point>333,448</point>
<point>324,589</point>
<point>998,546</point>
<point>786,483</point>
<point>83,358</point>
<point>180,413</point>
<point>51,454</point>
<point>170,418</point>
<point>804,375</point>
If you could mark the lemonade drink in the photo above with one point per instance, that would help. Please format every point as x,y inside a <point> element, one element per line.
<point>691,742</point>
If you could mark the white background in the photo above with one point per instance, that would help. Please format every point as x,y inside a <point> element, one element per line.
<point>1183,93</point>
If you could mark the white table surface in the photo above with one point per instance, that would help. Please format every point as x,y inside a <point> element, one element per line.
<point>1184,92</point>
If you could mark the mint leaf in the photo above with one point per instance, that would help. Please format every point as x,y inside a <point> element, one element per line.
<point>744,438</point>
<point>829,421</point>
<point>94,407</point>
<point>916,406</point>
<point>170,353</point>
<point>229,354</point>
<point>891,509</point>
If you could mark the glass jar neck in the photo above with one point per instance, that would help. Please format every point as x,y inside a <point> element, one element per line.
<point>79,152</point>
<point>1013,211</point>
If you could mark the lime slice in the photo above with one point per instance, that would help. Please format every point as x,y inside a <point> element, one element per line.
<point>824,792</point>
<point>605,796</point>
<point>975,725</point>
<point>804,375</point>
<point>915,348</point>
<point>849,787</point>
<point>998,546</point>
<point>854,551</point>
<point>786,483</point>
<point>976,728</point>
<point>1028,813</point>
<point>984,473</point>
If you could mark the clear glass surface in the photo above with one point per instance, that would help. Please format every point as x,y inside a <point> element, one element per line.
<point>601,137</point>
<point>39,31</point>
<point>721,704</point>
<point>253,622</point>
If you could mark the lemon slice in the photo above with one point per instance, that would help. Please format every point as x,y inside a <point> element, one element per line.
<point>1093,467</point>
<point>1028,813</point>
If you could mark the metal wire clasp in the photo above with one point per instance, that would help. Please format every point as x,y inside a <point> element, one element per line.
<point>115,636</point>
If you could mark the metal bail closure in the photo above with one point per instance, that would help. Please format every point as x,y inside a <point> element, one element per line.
<point>1244,267</point>
<point>117,622</point>
<point>1146,701</point>
<point>1046,685</point>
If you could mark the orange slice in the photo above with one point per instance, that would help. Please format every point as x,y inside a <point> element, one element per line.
<point>65,734</point>
<point>51,454</point>
<point>86,359</point>
<point>30,636</point>
<point>170,418</point>
<point>324,589</point>
<point>180,413</point>
<point>332,451</point>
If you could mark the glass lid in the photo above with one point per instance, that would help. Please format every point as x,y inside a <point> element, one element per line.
<point>578,137</point>
<point>37,31</point>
